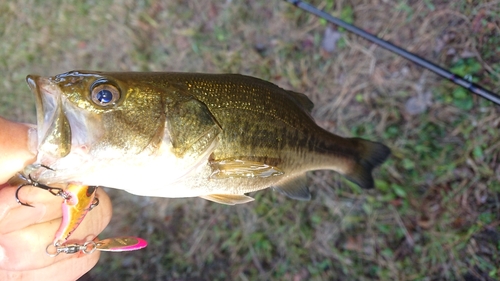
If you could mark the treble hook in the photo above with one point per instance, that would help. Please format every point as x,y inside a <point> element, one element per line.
<point>29,181</point>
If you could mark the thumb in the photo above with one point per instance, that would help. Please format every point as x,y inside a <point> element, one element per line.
<point>15,152</point>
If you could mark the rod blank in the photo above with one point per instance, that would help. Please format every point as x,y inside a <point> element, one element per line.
<point>457,79</point>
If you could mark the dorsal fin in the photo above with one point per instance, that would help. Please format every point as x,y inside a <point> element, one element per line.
<point>294,187</point>
<point>302,100</point>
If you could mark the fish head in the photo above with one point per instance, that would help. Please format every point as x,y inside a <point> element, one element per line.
<point>95,113</point>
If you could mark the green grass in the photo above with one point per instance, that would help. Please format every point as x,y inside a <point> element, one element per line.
<point>435,211</point>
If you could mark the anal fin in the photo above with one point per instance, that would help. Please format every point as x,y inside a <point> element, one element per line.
<point>228,199</point>
<point>294,187</point>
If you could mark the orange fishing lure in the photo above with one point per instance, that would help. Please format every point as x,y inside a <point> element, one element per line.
<point>79,200</point>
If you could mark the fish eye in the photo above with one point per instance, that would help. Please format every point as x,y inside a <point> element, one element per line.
<point>105,94</point>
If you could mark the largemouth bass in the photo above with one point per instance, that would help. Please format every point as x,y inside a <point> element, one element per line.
<point>216,136</point>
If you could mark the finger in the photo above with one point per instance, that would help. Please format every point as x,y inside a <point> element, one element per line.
<point>65,270</point>
<point>15,216</point>
<point>25,249</point>
<point>15,153</point>
<point>27,194</point>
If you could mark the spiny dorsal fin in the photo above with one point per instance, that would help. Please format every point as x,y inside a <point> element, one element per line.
<point>228,199</point>
<point>294,187</point>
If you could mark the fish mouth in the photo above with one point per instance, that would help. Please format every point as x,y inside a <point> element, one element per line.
<point>54,130</point>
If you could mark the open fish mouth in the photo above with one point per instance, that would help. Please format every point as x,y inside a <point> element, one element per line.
<point>54,130</point>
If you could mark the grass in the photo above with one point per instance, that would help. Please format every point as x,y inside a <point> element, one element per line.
<point>435,213</point>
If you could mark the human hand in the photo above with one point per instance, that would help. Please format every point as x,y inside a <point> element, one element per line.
<point>25,232</point>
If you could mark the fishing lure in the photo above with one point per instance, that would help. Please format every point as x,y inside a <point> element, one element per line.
<point>79,200</point>
<point>117,244</point>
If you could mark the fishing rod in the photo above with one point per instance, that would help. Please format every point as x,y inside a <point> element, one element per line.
<point>455,78</point>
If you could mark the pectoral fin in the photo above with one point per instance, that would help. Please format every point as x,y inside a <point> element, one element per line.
<point>294,187</point>
<point>242,169</point>
<point>192,128</point>
<point>228,199</point>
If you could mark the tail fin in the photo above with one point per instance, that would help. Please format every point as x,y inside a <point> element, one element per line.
<point>370,155</point>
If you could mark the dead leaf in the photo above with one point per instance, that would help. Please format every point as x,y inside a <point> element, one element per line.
<point>417,105</point>
<point>330,38</point>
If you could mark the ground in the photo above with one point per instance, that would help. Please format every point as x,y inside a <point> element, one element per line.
<point>435,211</point>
